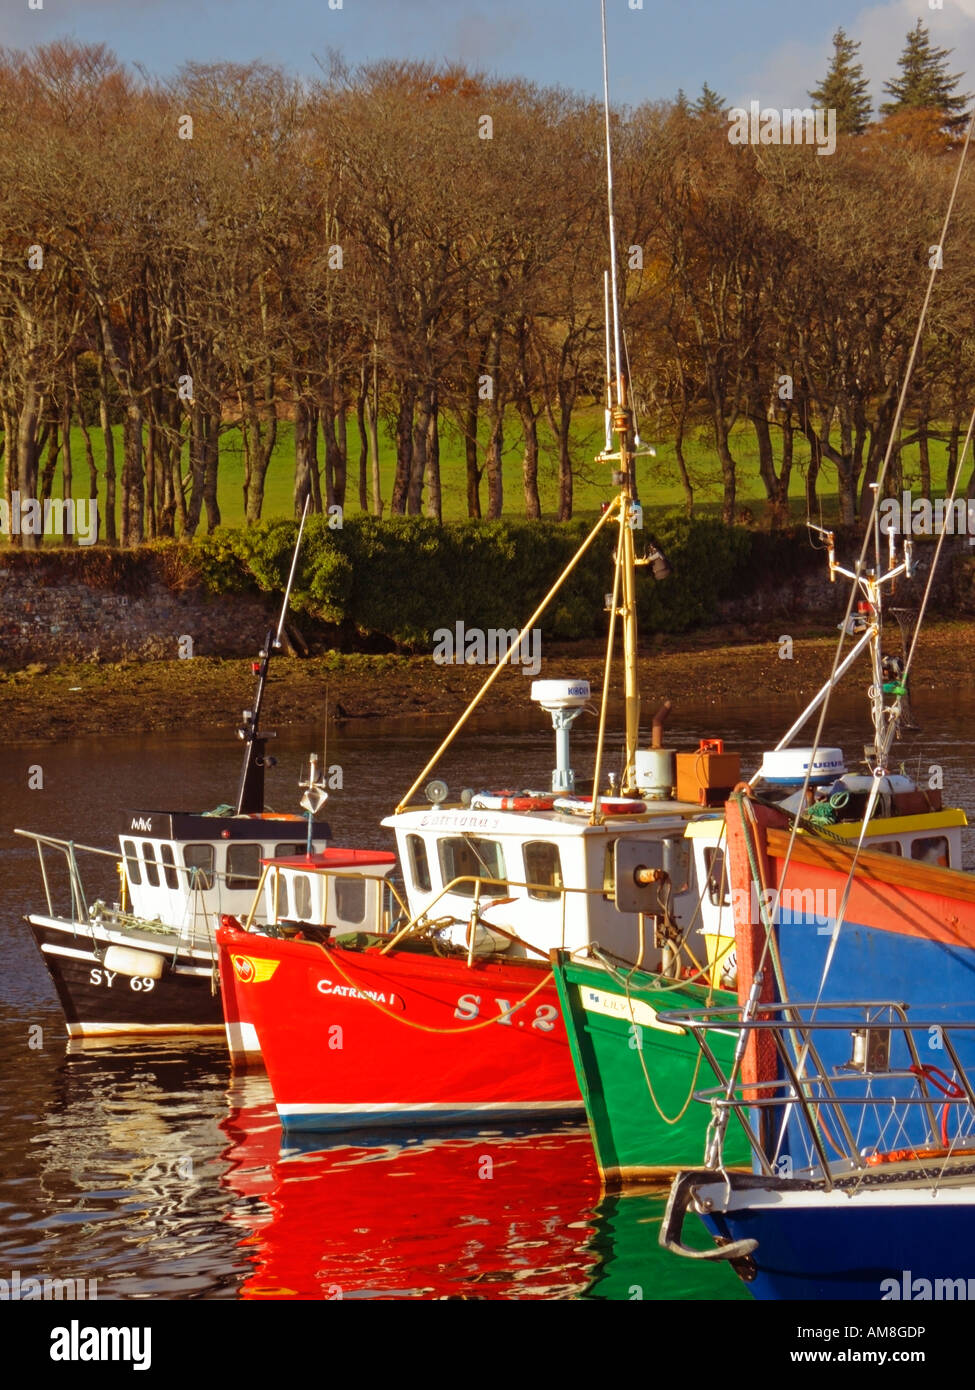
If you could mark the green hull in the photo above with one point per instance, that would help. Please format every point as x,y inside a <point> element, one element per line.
<point>635,1075</point>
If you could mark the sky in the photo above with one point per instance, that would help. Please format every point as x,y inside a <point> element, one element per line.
<point>766,50</point>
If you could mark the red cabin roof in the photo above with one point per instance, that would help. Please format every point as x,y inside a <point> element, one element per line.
<point>334,859</point>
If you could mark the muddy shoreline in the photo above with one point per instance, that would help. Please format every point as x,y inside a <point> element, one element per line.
<point>209,693</point>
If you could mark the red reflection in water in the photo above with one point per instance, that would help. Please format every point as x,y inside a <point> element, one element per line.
<point>447,1216</point>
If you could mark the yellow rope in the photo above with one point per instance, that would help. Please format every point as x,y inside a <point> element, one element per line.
<point>643,1066</point>
<point>426,1027</point>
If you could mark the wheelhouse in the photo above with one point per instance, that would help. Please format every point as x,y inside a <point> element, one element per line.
<point>179,868</point>
<point>546,877</point>
<point>341,890</point>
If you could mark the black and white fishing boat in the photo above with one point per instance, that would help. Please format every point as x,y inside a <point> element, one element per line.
<point>145,962</point>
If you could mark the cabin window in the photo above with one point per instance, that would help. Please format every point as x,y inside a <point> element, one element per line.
<point>543,868</point>
<point>169,866</point>
<point>717,877</point>
<point>419,863</point>
<point>243,866</point>
<point>277,888</point>
<point>886,847</point>
<point>288,851</point>
<point>931,849</point>
<point>133,872</point>
<point>301,888</point>
<point>152,872</point>
<point>199,860</point>
<point>350,899</point>
<point>467,856</point>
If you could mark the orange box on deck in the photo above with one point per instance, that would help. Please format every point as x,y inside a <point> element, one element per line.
<point>707,776</point>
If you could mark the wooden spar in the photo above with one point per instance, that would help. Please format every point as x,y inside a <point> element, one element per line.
<point>514,647</point>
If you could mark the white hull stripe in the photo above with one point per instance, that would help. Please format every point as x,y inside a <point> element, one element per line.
<point>242,1037</point>
<point>922,1195</point>
<point>203,970</point>
<point>100,1030</point>
<point>431,1107</point>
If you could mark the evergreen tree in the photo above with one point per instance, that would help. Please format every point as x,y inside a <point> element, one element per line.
<point>844,88</point>
<point>924,83</point>
<point>709,103</point>
<point>681,103</point>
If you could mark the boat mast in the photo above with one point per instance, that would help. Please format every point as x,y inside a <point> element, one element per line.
<point>250,793</point>
<point>622,423</point>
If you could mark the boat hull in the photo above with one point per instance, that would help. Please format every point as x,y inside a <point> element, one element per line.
<point>635,1073</point>
<point>352,1038</point>
<point>872,1245</point>
<point>908,933</point>
<point>101,1002</point>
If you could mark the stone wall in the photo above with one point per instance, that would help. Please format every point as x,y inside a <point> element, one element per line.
<point>94,604</point>
<point>50,614</point>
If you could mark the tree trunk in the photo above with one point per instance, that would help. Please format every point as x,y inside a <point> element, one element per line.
<point>404,448</point>
<point>67,479</point>
<point>27,457</point>
<point>197,468</point>
<point>372,413</point>
<point>529,459</point>
<point>104,419</point>
<point>211,465</point>
<point>302,489</point>
<point>434,499</point>
<point>133,478</point>
<point>925,458</point>
<point>494,457</point>
<point>470,450</point>
<point>362,396</point>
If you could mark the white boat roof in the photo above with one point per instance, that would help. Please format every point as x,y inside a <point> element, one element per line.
<point>659,815</point>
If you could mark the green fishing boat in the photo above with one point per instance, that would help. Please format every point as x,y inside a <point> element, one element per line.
<point>637,1072</point>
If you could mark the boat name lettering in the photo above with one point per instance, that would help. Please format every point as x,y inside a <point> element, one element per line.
<point>469,1007</point>
<point>594,1001</point>
<point>102,977</point>
<point>142,983</point>
<point>143,823</point>
<point>350,992</point>
<point>457,820</point>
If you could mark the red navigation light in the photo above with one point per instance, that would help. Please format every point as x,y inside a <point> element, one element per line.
<point>256,667</point>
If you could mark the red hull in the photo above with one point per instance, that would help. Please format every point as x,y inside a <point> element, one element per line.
<point>353,1038</point>
<point>451,1217</point>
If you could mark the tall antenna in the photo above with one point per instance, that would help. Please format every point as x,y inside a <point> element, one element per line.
<point>612,217</point>
<point>608,412</point>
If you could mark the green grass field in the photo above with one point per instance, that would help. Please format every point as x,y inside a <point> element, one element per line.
<point>659,480</point>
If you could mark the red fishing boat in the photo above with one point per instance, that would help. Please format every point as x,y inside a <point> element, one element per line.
<point>354,1034</point>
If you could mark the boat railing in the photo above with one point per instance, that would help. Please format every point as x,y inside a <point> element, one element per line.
<point>886,1102</point>
<point>457,887</point>
<point>338,874</point>
<point>193,879</point>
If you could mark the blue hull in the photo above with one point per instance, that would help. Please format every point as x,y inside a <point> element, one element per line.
<point>858,1254</point>
<point>937,980</point>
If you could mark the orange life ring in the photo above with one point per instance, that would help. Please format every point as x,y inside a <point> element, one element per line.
<point>512,801</point>
<point>608,805</point>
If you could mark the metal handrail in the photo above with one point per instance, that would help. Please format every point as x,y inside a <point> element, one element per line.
<point>422,918</point>
<point>795,1090</point>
